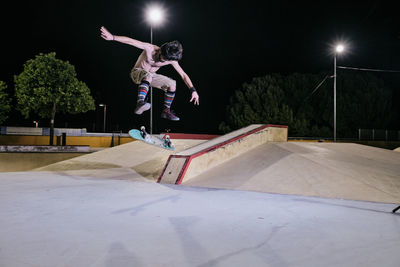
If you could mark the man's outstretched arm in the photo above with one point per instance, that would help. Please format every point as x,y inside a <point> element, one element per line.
<point>106,35</point>
<point>188,82</point>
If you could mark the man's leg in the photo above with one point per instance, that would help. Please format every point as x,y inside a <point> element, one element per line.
<point>142,105</point>
<point>143,79</point>
<point>168,98</point>
<point>168,85</point>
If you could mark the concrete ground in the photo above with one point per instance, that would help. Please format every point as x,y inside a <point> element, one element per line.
<point>49,219</point>
<point>104,209</point>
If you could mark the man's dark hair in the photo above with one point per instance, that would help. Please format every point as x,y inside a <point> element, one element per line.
<point>172,50</point>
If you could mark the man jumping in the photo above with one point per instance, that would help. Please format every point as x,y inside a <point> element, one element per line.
<point>144,72</point>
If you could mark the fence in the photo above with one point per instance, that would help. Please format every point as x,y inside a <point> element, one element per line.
<point>378,135</point>
<point>9,130</point>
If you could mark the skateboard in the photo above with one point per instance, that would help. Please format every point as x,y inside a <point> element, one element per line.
<point>142,135</point>
<point>396,209</point>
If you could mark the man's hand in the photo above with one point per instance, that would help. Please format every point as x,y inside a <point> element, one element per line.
<point>195,98</point>
<point>105,34</point>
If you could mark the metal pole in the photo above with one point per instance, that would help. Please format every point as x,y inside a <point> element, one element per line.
<point>104,122</point>
<point>334,99</point>
<point>151,90</point>
<point>151,34</point>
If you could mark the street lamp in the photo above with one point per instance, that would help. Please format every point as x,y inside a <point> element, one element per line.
<point>155,16</point>
<point>104,116</point>
<point>338,49</point>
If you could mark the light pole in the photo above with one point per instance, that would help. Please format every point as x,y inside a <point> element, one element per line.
<point>104,116</point>
<point>155,16</point>
<point>339,49</point>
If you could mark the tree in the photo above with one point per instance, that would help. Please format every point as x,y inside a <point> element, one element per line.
<point>261,101</point>
<point>48,85</point>
<point>4,102</point>
<point>363,101</point>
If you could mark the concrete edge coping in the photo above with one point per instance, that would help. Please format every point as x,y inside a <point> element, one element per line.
<point>42,149</point>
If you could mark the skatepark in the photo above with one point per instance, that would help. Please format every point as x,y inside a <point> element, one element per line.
<point>246,198</point>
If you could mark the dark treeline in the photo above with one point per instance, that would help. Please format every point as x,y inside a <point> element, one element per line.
<point>364,100</point>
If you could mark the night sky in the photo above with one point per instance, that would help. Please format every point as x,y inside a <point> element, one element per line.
<point>226,43</point>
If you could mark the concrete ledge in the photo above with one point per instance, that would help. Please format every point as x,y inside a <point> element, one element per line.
<point>47,149</point>
<point>22,130</point>
<point>93,141</point>
<point>193,161</point>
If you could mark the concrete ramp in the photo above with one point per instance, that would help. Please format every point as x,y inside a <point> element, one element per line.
<point>329,170</point>
<point>124,161</point>
<point>198,159</point>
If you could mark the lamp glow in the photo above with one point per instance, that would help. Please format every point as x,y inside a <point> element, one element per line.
<point>155,15</point>
<point>339,48</point>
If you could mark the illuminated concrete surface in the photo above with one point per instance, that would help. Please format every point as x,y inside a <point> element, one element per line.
<point>10,162</point>
<point>105,209</point>
<point>332,170</point>
<point>49,219</point>
<point>122,161</point>
<point>195,160</point>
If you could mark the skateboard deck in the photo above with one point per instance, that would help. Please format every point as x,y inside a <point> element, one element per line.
<point>141,135</point>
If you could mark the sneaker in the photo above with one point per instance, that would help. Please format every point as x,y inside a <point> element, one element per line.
<point>169,115</point>
<point>142,107</point>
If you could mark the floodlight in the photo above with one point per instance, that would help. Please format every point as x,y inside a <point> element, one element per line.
<point>155,15</point>
<point>339,48</point>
